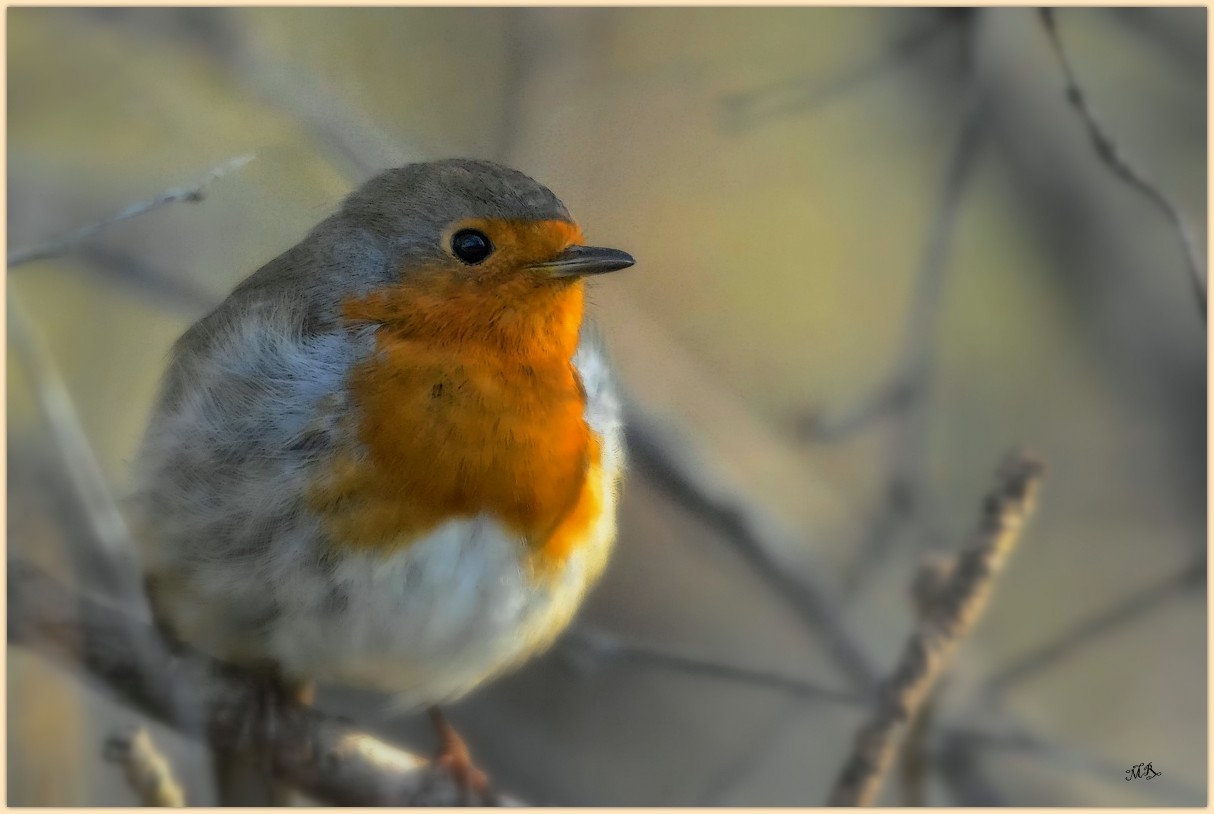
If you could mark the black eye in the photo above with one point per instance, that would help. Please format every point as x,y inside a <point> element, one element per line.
<point>471,246</point>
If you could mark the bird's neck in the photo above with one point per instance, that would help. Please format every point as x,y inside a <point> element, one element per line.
<point>471,405</point>
<point>519,322</point>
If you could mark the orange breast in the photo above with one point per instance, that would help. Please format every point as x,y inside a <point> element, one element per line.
<point>458,424</point>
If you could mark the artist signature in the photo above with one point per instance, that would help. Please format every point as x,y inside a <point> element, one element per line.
<point>1143,771</point>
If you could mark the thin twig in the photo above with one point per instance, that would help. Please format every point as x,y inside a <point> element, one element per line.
<point>1112,618</point>
<point>961,601</point>
<point>597,646</point>
<point>65,243</point>
<point>108,526</point>
<point>147,770</point>
<point>317,754</point>
<point>1114,158</point>
<point>672,463</point>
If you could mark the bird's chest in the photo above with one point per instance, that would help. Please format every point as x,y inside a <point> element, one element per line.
<point>446,434</point>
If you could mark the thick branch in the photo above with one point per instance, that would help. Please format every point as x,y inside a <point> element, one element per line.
<point>957,607</point>
<point>313,752</point>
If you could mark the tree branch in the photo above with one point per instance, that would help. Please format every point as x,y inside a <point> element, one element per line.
<point>672,464</point>
<point>585,645</point>
<point>1114,158</point>
<point>959,603</point>
<point>902,396</point>
<point>311,751</point>
<point>147,770</point>
<point>1125,610</point>
<point>65,243</point>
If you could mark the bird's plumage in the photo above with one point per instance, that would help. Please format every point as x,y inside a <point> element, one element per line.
<point>258,407</point>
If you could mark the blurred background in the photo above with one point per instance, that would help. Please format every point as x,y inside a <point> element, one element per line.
<point>876,251</point>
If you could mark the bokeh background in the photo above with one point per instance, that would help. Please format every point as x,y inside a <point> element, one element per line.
<point>821,202</point>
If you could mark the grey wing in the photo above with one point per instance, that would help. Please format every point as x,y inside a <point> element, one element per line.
<point>251,404</point>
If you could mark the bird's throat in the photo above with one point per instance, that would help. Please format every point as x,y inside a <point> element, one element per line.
<point>472,406</point>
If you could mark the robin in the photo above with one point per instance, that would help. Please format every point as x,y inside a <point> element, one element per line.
<point>390,458</point>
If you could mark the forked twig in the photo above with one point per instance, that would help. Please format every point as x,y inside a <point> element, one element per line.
<point>960,601</point>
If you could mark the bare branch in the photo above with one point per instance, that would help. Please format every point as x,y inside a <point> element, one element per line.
<point>313,752</point>
<point>147,770</point>
<point>915,767</point>
<point>597,646</point>
<point>1114,158</point>
<point>109,527</point>
<point>65,243</point>
<point>671,462</point>
<point>1110,619</point>
<point>959,604</point>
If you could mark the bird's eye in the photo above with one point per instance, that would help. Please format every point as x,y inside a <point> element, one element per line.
<point>471,246</point>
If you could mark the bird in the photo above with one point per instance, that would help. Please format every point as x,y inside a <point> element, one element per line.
<point>391,458</point>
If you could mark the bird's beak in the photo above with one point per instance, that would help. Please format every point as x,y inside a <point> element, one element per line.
<point>578,261</point>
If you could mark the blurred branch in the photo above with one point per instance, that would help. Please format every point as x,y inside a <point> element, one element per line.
<point>959,603</point>
<point>67,242</point>
<point>157,285</point>
<point>902,395</point>
<point>674,465</point>
<point>147,770</point>
<point>802,95</point>
<point>1115,159</point>
<point>111,538</point>
<point>1118,614</point>
<point>584,646</point>
<point>108,526</point>
<point>958,764</point>
<point>907,380</point>
<point>314,752</point>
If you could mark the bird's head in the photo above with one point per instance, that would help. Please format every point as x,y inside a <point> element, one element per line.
<point>475,247</point>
